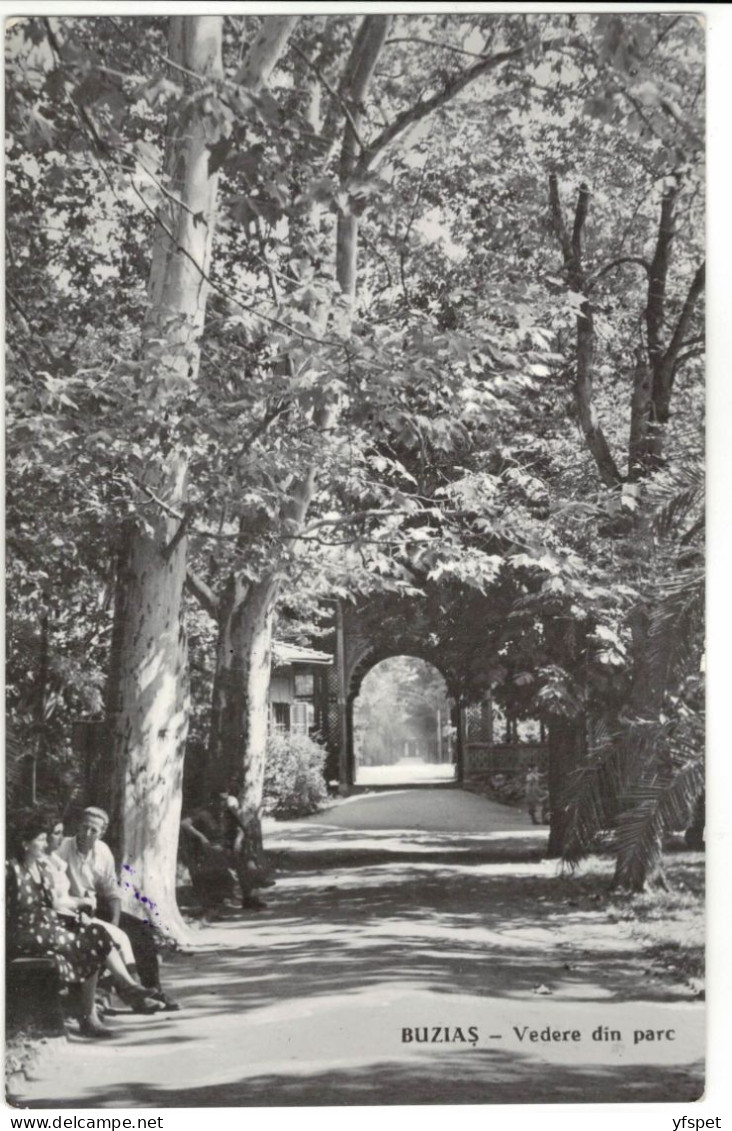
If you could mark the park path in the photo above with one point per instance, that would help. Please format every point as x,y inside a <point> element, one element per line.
<point>395,916</point>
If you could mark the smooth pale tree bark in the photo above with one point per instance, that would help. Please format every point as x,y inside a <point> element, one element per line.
<point>245,611</point>
<point>147,694</point>
<point>147,708</point>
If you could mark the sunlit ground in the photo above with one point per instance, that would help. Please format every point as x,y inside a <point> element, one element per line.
<point>371,935</point>
<point>407,772</point>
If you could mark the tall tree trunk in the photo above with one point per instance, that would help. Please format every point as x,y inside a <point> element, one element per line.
<point>241,685</point>
<point>567,748</point>
<point>146,701</point>
<point>641,412</point>
<point>148,719</point>
<point>238,737</point>
<point>638,866</point>
<point>146,695</point>
<point>572,254</point>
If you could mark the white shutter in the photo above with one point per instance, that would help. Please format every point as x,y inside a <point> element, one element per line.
<point>300,717</point>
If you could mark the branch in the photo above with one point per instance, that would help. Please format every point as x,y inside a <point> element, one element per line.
<point>265,51</point>
<point>687,311</point>
<point>369,43</point>
<point>380,255</point>
<point>29,329</point>
<point>580,217</point>
<point>660,38</point>
<point>692,532</point>
<point>333,93</point>
<point>670,109</point>
<point>156,181</point>
<point>256,431</point>
<point>682,358</point>
<point>420,110</point>
<point>9,245</point>
<point>231,292</point>
<point>205,596</point>
<point>558,225</point>
<point>181,517</point>
<point>366,50</point>
<point>165,507</point>
<point>435,43</point>
<point>657,278</point>
<point>665,363</point>
<point>618,263</point>
<point>158,54</point>
<point>584,378</point>
<point>345,520</point>
<point>179,535</point>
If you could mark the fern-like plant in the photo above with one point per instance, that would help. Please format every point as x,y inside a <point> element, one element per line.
<point>645,771</point>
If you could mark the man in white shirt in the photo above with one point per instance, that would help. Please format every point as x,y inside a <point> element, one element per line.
<point>91,872</point>
<point>90,863</point>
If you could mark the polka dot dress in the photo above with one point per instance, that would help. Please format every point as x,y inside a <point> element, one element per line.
<point>37,931</point>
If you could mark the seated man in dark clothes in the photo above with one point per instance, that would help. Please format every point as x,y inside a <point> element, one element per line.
<point>219,842</point>
<point>91,871</point>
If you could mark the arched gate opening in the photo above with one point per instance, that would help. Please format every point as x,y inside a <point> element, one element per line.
<point>402,725</point>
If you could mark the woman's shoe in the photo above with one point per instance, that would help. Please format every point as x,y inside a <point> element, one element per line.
<point>166,1003</point>
<point>92,1027</point>
<point>139,999</point>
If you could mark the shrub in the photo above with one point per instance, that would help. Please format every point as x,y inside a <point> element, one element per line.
<point>294,781</point>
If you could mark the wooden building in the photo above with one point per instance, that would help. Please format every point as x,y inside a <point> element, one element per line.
<point>299,689</point>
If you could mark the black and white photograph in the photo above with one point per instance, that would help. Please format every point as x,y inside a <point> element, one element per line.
<point>355,471</point>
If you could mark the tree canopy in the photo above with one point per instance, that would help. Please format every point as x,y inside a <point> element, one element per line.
<point>440,336</point>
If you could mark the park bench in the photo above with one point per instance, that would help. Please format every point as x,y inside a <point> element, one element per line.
<point>33,998</point>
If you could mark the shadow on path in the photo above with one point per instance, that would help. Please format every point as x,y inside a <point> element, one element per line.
<point>487,1078</point>
<point>305,1003</point>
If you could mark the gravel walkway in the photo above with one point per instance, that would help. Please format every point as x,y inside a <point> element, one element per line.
<point>413,944</point>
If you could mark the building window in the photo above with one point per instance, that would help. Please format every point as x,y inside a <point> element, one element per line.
<point>302,716</point>
<point>304,685</point>
<point>280,718</point>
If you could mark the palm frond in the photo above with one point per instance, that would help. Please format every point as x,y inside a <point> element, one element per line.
<point>590,797</point>
<point>677,501</point>
<point>656,808</point>
<point>676,625</point>
<point>675,798</point>
<point>638,843</point>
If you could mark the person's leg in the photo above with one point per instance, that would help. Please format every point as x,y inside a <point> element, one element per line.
<point>143,949</point>
<point>248,883</point>
<point>245,865</point>
<point>89,1023</point>
<point>128,988</point>
<point>120,940</point>
<point>147,967</point>
<point>121,975</point>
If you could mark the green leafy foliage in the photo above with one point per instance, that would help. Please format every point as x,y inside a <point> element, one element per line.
<point>294,783</point>
<point>452,478</point>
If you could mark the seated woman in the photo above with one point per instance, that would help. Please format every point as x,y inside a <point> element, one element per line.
<point>36,930</point>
